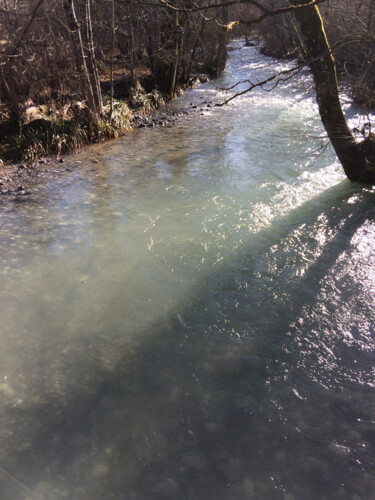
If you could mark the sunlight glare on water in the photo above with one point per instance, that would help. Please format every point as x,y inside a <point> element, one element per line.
<point>188,312</point>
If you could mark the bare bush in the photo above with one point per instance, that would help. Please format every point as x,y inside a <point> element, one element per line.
<point>59,50</point>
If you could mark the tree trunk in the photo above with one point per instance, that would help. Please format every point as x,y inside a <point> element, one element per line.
<point>357,159</point>
<point>79,54</point>
<point>94,74</point>
<point>113,34</point>
<point>9,89</point>
<point>177,37</point>
<point>222,52</point>
<point>197,42</point>
<point>132,43</point>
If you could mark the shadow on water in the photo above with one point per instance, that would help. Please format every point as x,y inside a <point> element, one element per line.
<point>214,402</point>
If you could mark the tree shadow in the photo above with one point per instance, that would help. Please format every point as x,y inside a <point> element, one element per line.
<point>195,410</point>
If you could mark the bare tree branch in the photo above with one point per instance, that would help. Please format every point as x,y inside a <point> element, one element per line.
<point>255,3</point>
<point>281,76</point>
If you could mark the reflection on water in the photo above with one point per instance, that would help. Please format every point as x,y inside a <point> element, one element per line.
<point>189,314</point>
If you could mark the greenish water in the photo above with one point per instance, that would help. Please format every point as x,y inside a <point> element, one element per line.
<point>190,313</point>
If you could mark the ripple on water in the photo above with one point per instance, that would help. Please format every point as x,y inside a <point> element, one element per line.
<point>191,315</point>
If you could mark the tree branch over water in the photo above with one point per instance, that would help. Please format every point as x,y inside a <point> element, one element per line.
<point>282,76</point>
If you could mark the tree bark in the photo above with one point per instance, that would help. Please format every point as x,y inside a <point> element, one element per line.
<point>113,35</point>
<point>9,89</point>
<point>94,74</point>
<point>222,52</point>
<point>357,158</point>
<point>177,41</point>
<point>79,54</point>
<point>197,42</point>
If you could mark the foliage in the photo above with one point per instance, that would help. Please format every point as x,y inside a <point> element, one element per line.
<point>146,102</point>
<point>44,61</point>
<point>56,136</point>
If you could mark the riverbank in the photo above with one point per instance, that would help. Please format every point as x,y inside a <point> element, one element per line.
<point>17,178</point>
<point>49,134</point>
<point>56,129</point>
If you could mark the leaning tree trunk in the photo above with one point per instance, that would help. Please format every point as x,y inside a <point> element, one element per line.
<point>357,158</point>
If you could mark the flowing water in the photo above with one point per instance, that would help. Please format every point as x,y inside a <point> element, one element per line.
<point>189,312</point>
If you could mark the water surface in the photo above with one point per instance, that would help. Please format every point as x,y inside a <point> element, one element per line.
<point>189,312</point>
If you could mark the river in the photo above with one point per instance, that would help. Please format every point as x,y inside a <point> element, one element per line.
<point>188,311</point>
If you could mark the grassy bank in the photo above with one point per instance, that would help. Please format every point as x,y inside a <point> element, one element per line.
<point>52,130</point>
